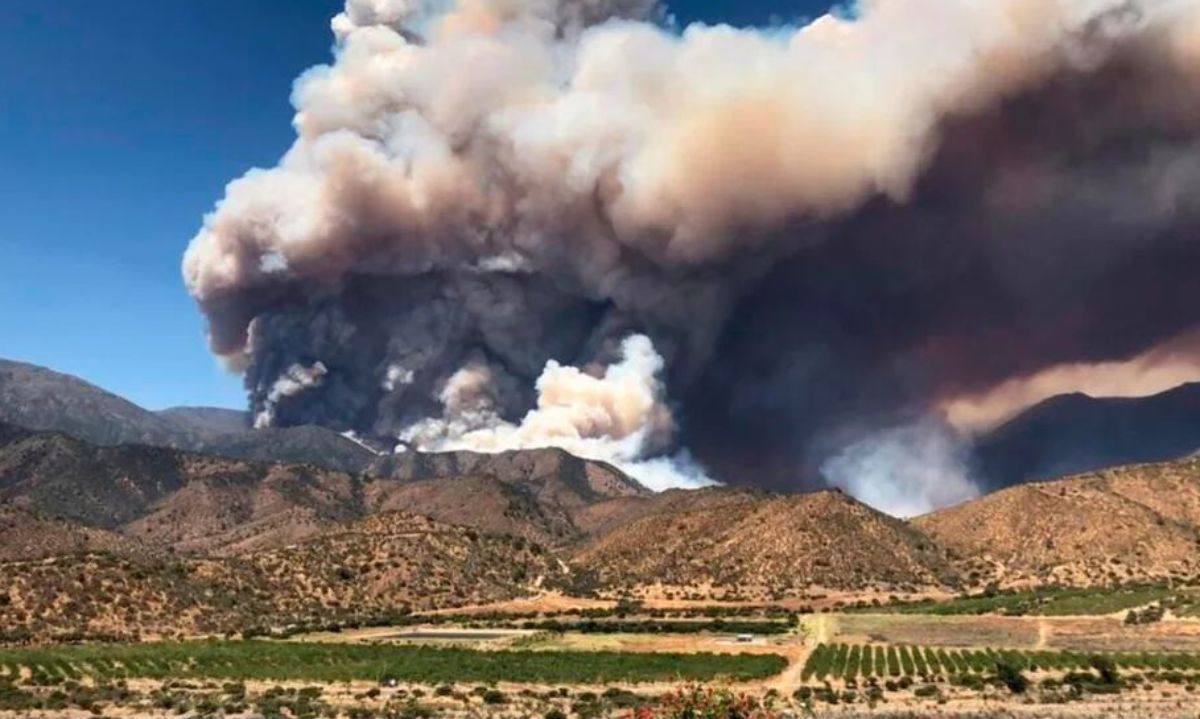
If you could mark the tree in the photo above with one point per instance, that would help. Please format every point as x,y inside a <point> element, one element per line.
<point>1012,677</point>
<point>1106,668</point>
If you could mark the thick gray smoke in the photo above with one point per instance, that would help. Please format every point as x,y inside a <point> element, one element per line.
<point>512,223</point>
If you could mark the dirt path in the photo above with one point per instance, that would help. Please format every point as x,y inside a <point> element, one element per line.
<point>788,680</point>
<point>818,629</point>
<point>1044,632</point>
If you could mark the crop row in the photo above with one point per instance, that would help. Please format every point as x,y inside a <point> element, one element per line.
<point>262,660</point>
<point>850,661</point>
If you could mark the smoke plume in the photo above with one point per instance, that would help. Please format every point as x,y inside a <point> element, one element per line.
<point>510,223</point>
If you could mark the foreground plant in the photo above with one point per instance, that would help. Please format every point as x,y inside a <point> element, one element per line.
<point>698,702</point>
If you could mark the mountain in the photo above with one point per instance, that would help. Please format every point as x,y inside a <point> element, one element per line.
<point>198,503</point>
<point>38,398</point>
<point>163,496</point>
<point>1136,523</point>
<point>715,543</point>
<point>1076,433</point>
<point>41,399</point>
<point>555,476</point>
<point>208,420</point>
<point>306,444</point>
<point>166,540</point>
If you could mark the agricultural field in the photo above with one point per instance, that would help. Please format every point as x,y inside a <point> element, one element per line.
<point>950,631</point>
<point>1050,601</point>
<point>848,662</point>
<point>312,662</point>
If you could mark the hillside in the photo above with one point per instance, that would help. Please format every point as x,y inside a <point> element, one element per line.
<point>554,475</point>
<point>196,503</point>
<point>383,566</point>
<point>41,399</point>
<point>546,495</point>
<point>484,503</point>
<point>36,398</point>
<point>1071,434</point>
<point>298,445</point>
<point>161,496</point>
<point>1137,523</point>
<point>30,536</point>
<point>755,545</point>
<point>208,419</point>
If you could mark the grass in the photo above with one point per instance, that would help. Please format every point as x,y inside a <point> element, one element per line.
<point>279,661</point>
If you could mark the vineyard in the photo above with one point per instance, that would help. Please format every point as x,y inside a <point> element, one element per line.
<point>852,661</point>
<point>264,660</point>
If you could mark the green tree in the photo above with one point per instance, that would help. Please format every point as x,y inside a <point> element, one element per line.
<point>1011,677</point>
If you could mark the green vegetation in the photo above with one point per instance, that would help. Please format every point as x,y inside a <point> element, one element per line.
<point>1049,601</point>
<point>277,661</point>
<point>1012,677</point>
<point>891,662</point>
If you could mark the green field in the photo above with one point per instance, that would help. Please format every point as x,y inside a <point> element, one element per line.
<point>844,661</point>
<point>277,661</point>
<point>1049,601</point>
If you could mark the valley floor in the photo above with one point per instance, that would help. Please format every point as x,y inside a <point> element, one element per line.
<point>489,663</point>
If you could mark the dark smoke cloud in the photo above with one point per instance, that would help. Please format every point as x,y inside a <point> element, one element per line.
<point>513,223</point>
<point>1057,227</point>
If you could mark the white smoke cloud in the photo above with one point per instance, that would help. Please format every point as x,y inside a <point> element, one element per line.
<point>485,130</point>
<point>295,380</point>
<point>617,416</point>
<point>905,471</point>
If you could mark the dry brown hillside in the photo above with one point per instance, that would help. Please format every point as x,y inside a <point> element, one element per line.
<point>197,503</point>
<point>380,567</point>
<point>724,543</point>
<point>1136,523</point>
<point>28,535</point>
<point>230,506</point>
<point>485,503</point>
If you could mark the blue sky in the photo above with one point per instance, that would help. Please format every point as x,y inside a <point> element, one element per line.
<point>120,123</point>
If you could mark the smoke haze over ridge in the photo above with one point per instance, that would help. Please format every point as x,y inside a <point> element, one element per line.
<point>784,253</point>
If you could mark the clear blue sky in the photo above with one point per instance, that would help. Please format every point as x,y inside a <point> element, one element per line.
<point>120,123</point>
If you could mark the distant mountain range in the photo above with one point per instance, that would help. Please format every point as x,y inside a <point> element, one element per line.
<point>1075,433</point>
<point>1068,434</point>
<point>37,398</point>
<point>220,525</point>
